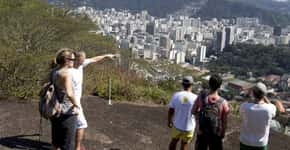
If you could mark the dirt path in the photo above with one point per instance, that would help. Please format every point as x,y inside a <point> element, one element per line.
<point>120,126</point>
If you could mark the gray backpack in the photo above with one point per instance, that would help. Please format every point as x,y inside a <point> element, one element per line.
<point>49,105</point>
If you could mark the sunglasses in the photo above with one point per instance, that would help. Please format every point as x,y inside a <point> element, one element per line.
<point>71,59</point>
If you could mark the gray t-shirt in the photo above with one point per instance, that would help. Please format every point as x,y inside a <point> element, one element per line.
<point>65,103</point>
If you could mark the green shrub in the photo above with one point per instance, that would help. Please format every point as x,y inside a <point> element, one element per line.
<point>31,32</point>
<point>235,108</point>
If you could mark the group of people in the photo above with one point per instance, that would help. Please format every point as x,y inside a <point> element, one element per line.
<point>67,77</point>
<point>208,112</point>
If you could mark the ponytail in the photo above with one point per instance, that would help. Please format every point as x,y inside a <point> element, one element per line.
<point>53,64</point>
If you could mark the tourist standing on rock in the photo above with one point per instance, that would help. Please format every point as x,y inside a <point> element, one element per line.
<point>77,79</point>
<point>256,116</point>
<point>180,118</point>
<point>211,111</point>
<point>64,124</point>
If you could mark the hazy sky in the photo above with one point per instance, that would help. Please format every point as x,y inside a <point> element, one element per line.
<point>281,0</point>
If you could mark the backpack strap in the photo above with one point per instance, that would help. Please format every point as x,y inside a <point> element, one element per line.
<point>203,96</point>
<point>52,75</point>
<point>220,101</point>
<point>52,78</point>
<point>204,100</point>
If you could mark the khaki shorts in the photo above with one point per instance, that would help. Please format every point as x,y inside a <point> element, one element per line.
<point>185,136</point>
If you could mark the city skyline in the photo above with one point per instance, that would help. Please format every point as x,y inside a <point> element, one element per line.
<point>152,37</point>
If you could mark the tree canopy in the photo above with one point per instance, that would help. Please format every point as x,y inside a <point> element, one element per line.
<point>258,59</point>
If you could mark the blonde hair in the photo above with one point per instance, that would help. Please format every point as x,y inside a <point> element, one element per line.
<point>62,55</point>
<point>80,53</point>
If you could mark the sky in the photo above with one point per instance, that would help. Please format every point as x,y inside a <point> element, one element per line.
<point>281,0</point>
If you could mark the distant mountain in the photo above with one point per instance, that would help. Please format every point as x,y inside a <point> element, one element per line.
<point>154,7</point>
<point>282,6</point>
<point>273,12</point>
<point>246,8</point>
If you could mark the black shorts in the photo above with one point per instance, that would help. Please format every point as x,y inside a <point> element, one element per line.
<point>209,141</point>
<point>63,131</point>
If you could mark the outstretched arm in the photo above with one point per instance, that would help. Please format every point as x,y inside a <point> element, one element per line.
<point>101,57</point>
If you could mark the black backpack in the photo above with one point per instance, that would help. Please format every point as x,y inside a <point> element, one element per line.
<point>209,115</point>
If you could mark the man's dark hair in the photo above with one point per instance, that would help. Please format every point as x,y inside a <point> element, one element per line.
<point>258,94</point>
<point>215,82</point>
<point>186,86</point>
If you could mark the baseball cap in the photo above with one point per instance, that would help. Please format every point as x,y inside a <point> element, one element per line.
<point>187,80</point>
<point>262,87</point>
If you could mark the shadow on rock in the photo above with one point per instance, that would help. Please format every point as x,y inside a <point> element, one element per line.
<point>23,142</point>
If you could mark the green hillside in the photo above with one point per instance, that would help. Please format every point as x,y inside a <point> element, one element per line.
<point>32,31</point>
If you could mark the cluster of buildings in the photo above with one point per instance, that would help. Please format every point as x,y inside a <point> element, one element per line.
<point>185,40</point>
<point>182,39</point>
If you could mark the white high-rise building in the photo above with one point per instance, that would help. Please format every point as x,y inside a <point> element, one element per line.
<point>246,21</point>
<point>230,35</point>
<point>220,40</point>
<point>124,44</point>
<point>179,45</point>
<point>144,15</point>
<point>201,53</point>
<point>164,53</point>
<point>164,41</point>
<point>172,54</point>
<point>149,51</point>
<point>155,55</point>
<point>129,29</point>
<point>186,22</point>
<point>178,34</point>
<point>135,53</point>
<point>180,57</point>
<point>148,54</point>
<point>195,22</point>
<point>283,40</point>
<point>198,37</point>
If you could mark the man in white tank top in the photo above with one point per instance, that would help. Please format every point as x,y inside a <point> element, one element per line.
<point>77,77</point>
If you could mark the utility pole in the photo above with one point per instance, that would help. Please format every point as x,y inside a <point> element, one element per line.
<point>110,90</point>
<point>109,82</point>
